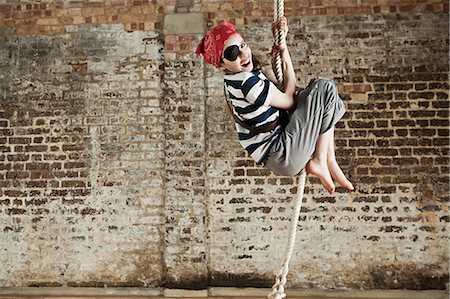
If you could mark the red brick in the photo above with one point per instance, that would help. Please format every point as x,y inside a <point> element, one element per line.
<point>73,184</point>
<point>19,140</point>
<point>37,166</point>
<point>36,148</point>
<point>74,165</point>
<point>18,157</point>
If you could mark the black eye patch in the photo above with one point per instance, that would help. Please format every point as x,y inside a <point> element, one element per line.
<point>231,53</point>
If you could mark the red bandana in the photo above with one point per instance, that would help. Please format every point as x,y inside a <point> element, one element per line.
<point>212,43</point>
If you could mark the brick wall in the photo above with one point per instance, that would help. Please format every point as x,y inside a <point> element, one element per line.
<point>120,167</point>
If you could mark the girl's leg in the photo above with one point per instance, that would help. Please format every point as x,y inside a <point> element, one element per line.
<point>335,170</point>
<point>317,166</point>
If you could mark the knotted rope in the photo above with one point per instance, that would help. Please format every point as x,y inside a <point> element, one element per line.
<point>280,39</point>
<point>280,280</point>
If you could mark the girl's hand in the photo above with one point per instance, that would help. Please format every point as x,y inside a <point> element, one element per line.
<point>282,25</point>
<point>276,48</point>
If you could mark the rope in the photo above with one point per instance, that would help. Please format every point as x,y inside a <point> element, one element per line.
<point>278,12</point>
<point>280,280</point>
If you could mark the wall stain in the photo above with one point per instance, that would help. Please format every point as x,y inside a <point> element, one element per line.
<point>406,276</point>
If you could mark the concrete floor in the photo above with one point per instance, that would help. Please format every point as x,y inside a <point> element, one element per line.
<point>216,293</point>
<point>171,298</point>
<point>168,298</point>
<point>213,297</point>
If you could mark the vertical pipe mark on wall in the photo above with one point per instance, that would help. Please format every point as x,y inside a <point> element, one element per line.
<point>93,171</point>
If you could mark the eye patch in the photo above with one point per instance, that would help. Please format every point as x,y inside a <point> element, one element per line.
<point>231,53</point>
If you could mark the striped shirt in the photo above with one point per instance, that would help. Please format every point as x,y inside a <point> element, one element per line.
<point>249,92</point>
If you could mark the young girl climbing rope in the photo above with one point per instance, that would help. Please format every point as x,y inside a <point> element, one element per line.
<point>287,130</point>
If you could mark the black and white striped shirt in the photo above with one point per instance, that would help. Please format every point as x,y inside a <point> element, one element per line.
<point>249,93</point>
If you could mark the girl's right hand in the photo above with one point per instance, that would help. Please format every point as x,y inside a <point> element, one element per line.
<point>282,25</point>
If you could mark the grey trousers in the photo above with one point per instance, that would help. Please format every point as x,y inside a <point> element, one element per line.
<point>319,108</point>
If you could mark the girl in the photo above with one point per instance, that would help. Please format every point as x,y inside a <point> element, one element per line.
<point>306,138</point>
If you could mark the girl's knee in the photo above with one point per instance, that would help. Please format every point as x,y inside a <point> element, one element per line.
<point>328,84</point>
<point>330,91</point>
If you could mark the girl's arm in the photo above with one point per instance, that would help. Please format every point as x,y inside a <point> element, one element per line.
<point>283,100</point>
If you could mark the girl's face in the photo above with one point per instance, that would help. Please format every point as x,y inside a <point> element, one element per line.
<point>236,45</point>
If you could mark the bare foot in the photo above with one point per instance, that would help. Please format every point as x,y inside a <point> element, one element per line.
<point>321,171</point>
<point>338,175</point>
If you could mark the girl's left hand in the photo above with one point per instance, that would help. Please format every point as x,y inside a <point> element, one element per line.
<point>276,48</point>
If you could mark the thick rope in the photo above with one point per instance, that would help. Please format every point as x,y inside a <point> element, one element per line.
<point>280,39</point>
<point>280,280</point>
